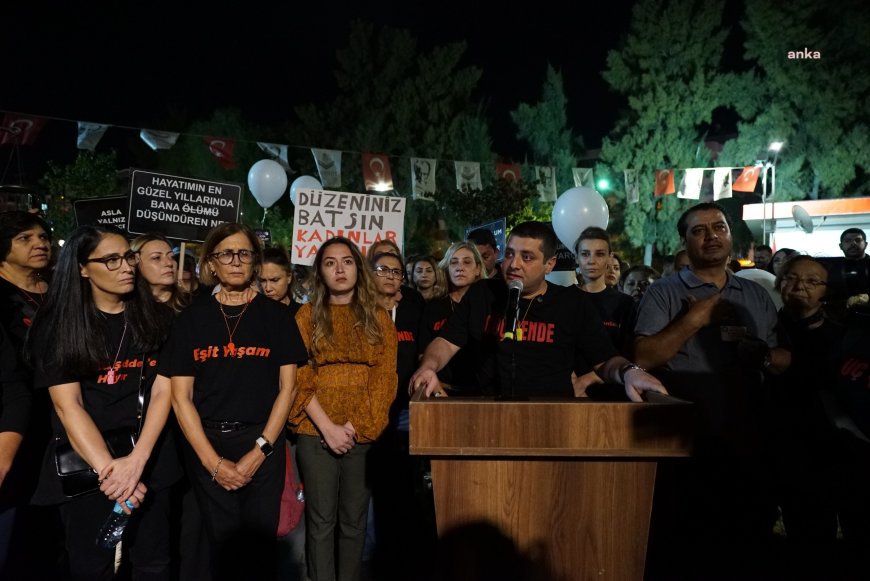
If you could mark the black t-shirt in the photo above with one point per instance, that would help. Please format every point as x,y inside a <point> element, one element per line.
<point>110,405</point>
<point>409,314</point>
<point>17,310</point>
<point>616,310</point>
<point>853,377</point>
<point>461,373</point>
<point>561,332</point>
<point>237,382</point>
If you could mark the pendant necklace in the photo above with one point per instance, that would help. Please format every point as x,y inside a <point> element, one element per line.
<point>110,377</point>
<point>532,299</point>
<point>232,346</point>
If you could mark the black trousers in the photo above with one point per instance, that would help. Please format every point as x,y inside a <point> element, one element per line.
<point>146,538</point>
<point>242,524</point>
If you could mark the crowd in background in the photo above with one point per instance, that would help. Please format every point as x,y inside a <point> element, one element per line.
<point>259,389</point>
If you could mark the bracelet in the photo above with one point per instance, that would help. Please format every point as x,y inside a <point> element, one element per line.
<point>216,468</point>
<point>626,368</point>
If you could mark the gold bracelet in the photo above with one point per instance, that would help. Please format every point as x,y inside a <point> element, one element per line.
<point>216,468</point>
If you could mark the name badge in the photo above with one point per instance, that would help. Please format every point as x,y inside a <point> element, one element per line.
<point>732,333</point>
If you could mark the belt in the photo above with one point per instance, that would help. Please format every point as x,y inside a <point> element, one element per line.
<point>226,426</point>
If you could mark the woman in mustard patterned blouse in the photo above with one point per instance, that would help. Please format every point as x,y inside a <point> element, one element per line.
<point>341,406</point>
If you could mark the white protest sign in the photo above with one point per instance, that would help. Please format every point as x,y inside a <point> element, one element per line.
<point>362,218</point>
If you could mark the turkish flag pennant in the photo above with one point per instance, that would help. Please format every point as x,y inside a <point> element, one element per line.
<point>376,172</point>
<point>747,179</point>
<point>664,182</point>
<point>20,129</point>
<point>511,172</point>
<point>222,148</point>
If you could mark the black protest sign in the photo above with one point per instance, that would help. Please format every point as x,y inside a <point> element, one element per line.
<point>102,211</point>
<point>180,207</point>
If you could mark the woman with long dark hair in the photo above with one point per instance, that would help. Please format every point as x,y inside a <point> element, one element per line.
<point>428,278</point>
<point>232,359</point>
<point>92,345</point>
<point>342,405</point>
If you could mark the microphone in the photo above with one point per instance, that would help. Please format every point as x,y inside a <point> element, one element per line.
<point>512,311</point>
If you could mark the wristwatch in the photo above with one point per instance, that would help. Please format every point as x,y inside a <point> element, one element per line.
<point>265,447</point>
<point>626,368</point>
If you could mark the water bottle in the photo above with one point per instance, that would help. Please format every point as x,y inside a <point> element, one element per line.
<point>300,493</point>
<point>113,529</point>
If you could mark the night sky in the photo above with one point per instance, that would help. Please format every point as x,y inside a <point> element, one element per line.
<point>131,66</point>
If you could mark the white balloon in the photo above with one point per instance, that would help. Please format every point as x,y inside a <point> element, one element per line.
<point>267,181</point>
<point>305,182</point>
<point>578,209</point>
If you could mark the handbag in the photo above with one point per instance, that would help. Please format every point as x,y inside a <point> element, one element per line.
<point>292,501</point>
<point>76,476</point>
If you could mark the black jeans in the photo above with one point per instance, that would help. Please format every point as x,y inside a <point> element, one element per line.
<point>146,537</point>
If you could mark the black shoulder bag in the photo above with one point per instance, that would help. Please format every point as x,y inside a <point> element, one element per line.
<point>76,476</point>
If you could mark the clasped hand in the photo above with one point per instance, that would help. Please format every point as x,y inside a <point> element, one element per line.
<point>119,481</point>
<point>339,438</point>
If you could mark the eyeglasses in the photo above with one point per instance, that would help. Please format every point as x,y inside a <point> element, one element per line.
<point>113,261</point>
<point>227,256</point>
<point>793,279</point>
<point>386,271</point>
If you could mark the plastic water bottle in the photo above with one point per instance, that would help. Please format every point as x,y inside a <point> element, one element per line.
<point>300,493</point>
<point>113,529</point>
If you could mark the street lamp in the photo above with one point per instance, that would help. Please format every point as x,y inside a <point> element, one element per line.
<point>775,147</point>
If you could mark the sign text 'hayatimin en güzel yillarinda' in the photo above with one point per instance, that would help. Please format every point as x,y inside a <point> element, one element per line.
<point>362,218</point>
<point>180,207</point>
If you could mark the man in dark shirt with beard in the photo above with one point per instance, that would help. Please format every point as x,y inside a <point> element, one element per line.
<point>558,330</point>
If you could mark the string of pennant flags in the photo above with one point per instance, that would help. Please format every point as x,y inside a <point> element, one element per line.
<point>24,129</point>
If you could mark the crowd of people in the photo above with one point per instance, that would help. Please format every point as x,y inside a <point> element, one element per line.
<point>249,385</point>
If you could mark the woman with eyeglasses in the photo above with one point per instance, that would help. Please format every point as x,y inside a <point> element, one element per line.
<point>804,439</point>
<point>232,359</point>
<point>464,266</point>
<point>158,269</point>
<point>92,345</point>
<point>342,405</point>
<point>400,519</point>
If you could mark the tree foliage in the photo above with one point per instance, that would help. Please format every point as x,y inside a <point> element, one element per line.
<point>668,69</point>
<point>544,126</point>
<point>91,175</point>
<point>398,99</point>
<point>819,108</point>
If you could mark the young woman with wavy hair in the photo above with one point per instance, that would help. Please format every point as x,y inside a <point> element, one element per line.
<point>342,404</point>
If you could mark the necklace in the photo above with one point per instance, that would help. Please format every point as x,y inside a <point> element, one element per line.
<point>232,346</point>
<point>110,377</point>
<point>532,298</point>
<point>28,296</point>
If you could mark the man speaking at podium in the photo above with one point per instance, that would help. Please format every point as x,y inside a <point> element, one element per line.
<point>531,335</point>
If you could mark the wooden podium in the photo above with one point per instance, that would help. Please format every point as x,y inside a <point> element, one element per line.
<point>569,481</point>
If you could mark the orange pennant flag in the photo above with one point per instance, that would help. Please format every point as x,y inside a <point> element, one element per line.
<point>747,179</point>
<point>664,182</point>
